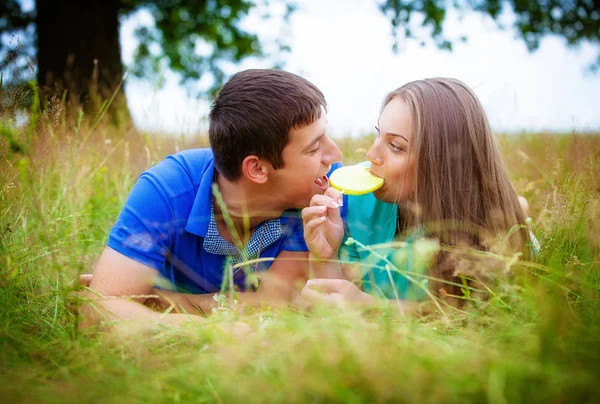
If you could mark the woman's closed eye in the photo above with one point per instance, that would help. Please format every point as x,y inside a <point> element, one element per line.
<point>395,147</point>
<point>316,148</point>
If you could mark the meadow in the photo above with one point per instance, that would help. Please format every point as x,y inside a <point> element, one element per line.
<point>63,180</point>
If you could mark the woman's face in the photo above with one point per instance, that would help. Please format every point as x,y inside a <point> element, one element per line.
<point>389,155</point>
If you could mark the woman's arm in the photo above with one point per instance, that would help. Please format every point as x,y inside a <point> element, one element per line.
<point>341,292</point>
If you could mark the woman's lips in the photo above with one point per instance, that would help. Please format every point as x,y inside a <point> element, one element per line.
<point>375,174</point>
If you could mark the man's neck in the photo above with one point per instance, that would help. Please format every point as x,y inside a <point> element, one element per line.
<point>247,204</point>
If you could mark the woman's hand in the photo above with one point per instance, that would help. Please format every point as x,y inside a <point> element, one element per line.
<point>323,226</point>
<point>336,292</point>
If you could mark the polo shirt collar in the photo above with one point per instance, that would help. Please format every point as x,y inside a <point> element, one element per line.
<point>202,209</point>
<point>199,217</point>
<point>266,233</point>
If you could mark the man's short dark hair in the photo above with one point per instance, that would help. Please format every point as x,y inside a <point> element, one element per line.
<point>254,113</point>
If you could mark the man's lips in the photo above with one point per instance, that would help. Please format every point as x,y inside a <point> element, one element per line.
<point>322,182</point>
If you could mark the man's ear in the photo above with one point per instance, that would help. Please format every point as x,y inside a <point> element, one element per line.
<point>255,169</point>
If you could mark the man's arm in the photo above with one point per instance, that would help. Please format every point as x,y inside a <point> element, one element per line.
<point>122,286</point>
<point>280,284</point>
<point>123,283</point>
<point>325,268</point>
<point>286,277</point>
<point>324,233</point>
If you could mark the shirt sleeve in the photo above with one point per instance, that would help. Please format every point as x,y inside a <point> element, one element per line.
<point>144,229</point>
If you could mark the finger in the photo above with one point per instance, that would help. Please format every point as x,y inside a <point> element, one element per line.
<point>311,297</point>
<point>85,279</point>
<point>305,299</point>
<point>313,212</point>
<point>323,200</point>
<point>314,223</point>
<point>335,215</point>
<point>334,194</point>
<point>328,285</point>
<point>314,299</point>
<point>318,200</point>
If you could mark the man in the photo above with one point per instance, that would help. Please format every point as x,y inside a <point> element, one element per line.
<point>269,155</point>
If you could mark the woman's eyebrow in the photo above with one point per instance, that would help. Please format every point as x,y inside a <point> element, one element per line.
<point>391,134</point>
<point>397,135</point>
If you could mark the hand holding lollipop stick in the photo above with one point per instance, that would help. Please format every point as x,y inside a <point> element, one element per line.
<point>323,226</point>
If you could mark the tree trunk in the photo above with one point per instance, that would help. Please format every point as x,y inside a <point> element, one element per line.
<point>78,49</point>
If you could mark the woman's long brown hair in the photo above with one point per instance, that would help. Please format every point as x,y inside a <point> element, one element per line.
<point>462,195</point>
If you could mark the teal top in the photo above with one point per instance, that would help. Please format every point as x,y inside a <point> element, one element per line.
<point>372,223</point>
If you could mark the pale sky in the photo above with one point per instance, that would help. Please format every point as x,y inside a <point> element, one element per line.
<point>345,48</point>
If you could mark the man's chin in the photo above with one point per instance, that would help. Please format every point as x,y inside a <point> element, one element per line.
<point>317,190</point>
<point>302,202</point>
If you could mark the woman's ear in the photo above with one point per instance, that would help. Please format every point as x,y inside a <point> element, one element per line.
<point>255,169</point>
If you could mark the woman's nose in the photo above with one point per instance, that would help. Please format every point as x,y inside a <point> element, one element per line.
<point>373,156</point>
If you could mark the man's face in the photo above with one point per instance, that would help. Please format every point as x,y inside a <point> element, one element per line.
<point>307,158</point>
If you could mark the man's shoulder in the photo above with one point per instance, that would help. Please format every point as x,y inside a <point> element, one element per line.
<point>182,172</point>
<point>195,156</point>
<point>193,162</point>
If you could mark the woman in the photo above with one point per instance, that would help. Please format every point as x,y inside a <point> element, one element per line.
<point>444,179</point>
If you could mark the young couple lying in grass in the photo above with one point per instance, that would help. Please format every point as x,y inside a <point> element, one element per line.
<point>195,224</point>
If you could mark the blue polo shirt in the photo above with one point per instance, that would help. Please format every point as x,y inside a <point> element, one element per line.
<point>168,224</point>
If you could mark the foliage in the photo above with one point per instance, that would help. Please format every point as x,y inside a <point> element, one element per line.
<point>193,38</point>
<point>177,40</point>
<point>537,339</point>
<point>575,21</point>
<point>182,28</point>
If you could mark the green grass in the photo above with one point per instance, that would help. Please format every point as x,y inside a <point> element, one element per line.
<point>536,340</point>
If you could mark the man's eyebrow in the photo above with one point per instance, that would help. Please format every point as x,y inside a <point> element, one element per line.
<point>392,134</point>
<point>315,140</point>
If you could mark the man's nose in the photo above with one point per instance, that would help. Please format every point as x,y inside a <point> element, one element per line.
<point>333,153</point>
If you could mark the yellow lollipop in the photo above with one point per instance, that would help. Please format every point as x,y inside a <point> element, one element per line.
<point>355,180</point>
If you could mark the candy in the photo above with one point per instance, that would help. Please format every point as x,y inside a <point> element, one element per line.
<point>355,180</point>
